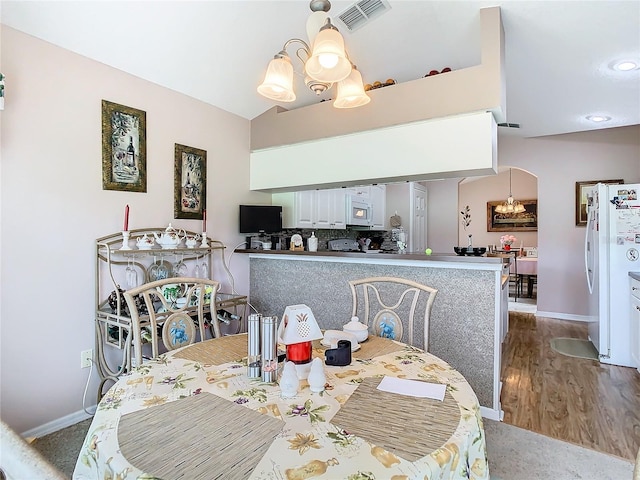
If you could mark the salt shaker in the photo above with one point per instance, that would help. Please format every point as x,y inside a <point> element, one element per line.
<point>269,349</point>
<point>253,334</point>
<point>317,378</point>
<point>289,381</point>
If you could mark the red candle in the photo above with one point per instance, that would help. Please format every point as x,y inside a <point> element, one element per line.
<point>126,219</point>
<point>204,220</point>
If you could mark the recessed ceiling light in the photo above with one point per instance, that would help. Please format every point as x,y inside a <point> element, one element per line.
<point>598,118</point>
<point>625,65</point>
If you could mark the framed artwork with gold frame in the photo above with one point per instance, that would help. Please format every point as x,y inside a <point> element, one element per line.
<point>124,148</point>
<point>526,221</point>
<point>581,198</point>
<point>190,182</point>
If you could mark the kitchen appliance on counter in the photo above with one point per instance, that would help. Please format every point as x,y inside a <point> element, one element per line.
<point>343,245</point>
<point>612,244</point>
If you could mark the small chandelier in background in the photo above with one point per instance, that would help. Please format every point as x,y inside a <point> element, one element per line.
<point>324,64</point>
<point>510,205</point>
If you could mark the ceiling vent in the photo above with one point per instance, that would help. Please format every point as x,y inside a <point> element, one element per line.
<point>362,12</point>
<point>509,125</point>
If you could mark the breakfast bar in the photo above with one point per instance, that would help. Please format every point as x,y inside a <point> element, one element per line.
<point>469,317</point>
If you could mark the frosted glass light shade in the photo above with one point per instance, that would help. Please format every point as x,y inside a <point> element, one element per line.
<point>351,92</point>
<point>278,81</point>
<point>328,61</point>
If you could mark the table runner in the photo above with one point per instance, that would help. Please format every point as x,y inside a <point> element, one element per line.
<point>182,440</point>
<point>403,425</point>
<point>216,351</point>
<point>234,348</point>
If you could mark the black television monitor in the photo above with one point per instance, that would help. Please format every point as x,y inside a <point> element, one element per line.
<point>260,218</point>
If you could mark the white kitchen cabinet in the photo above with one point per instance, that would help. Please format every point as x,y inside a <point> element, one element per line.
<point>313,209</point>
<point>635,322</point>
<point>378,199</point>
<point>305,209</point>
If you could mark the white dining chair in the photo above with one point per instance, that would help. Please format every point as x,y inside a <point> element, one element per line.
<point>394,308</point>
<point>172,309</point>
<point>20,460</point>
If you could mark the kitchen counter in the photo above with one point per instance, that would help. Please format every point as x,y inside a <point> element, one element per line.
<point>434,257</point>
<point>469,319</point>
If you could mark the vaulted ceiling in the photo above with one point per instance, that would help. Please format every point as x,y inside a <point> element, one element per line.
<point>558,54</point>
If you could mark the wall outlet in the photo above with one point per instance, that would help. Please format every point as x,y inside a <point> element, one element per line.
<point>86,357</point>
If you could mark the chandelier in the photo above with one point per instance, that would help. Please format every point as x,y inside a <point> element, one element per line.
<point>510,205</point>
<point>324,64</point>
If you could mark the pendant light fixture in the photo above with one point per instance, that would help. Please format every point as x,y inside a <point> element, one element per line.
<point>510,205</point>
<point>324,64</point>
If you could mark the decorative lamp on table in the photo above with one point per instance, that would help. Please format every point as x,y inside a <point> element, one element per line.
<point>298,329</point>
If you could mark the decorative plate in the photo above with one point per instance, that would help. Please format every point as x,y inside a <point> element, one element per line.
<point>296,239</point>
<point>159,270</point>
<point>388,325</point>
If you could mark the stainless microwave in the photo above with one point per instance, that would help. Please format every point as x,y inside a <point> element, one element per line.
<point>359,211</point>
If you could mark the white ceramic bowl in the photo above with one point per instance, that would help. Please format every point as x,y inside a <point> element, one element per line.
<point>355,327</point>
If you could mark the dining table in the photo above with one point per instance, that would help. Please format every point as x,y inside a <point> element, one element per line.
<point>193,413</point>
<point>526,267</point>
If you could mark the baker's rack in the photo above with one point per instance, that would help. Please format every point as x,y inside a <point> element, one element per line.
<point>113,325</point>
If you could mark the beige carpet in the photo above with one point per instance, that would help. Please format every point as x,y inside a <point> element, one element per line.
<point>574,347</point>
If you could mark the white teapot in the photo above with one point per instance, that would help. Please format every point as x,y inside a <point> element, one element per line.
<point>170,238</point>
<point>145,243</point>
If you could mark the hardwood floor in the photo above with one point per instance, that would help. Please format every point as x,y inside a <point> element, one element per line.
<point>572,399</point>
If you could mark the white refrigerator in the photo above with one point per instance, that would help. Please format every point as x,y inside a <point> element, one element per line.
<point>612,245</point>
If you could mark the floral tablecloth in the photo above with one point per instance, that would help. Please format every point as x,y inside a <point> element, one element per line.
<point>309,445</point>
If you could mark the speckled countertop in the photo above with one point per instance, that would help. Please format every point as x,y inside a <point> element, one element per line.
<point>435,257</point>
<point>635,275</point>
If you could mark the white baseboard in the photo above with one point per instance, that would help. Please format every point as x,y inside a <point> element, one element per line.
<point>58,424</point>
<point>563,316</point>
<point>491,413</point>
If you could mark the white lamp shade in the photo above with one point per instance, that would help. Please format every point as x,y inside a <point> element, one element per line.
<point>351,92</point>
<point>328,61</point>
<point>299,325</point>
<point>278,82</point>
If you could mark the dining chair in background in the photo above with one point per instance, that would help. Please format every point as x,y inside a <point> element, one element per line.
<point>177,310</point>
<point>394,308</point>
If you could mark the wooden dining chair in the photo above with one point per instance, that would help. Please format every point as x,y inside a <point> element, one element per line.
<point>176,310</point>
<point>394,308</point>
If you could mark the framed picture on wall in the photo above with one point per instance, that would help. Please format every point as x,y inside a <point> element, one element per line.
<point>582,188</point>
<point>190,182</point>
<point>124,148</point>
<point>526,221</point>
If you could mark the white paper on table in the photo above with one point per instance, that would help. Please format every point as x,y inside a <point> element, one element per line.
<point>413,388</point>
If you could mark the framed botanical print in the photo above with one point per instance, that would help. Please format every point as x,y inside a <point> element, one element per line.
<point>124,148</point>
<point>190,182</point>
<point>582,188</point>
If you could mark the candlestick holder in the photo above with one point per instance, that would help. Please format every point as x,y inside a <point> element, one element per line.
<point>204,243</point>
<point>125,241</point>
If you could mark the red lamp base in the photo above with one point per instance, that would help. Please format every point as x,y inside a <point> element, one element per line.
<point>299,353</point>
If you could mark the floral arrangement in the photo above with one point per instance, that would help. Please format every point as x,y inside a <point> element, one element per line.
<point>507,239</point>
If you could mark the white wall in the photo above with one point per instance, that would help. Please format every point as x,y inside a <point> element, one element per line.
<point>53,209</point>
<point>558,162</point>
